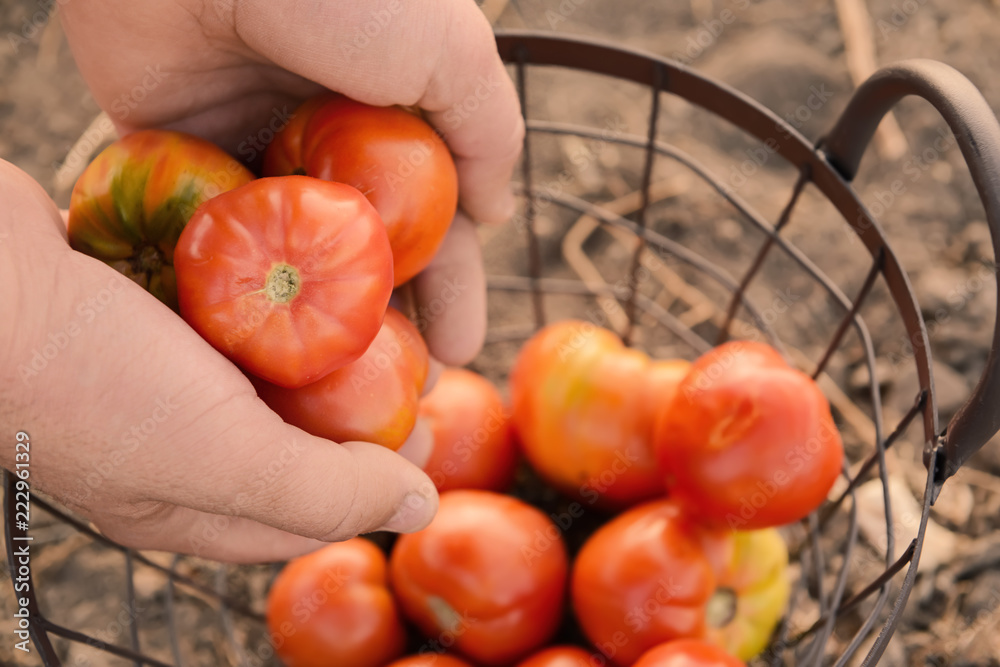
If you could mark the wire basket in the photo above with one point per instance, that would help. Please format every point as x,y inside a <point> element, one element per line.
<point>621,266</point>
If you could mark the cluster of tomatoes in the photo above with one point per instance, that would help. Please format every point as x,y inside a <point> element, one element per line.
<point>690,466</point>
<point>288,275</point>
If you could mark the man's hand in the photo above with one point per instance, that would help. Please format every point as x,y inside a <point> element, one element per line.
<point>233,70</point>
<point>140,425</point>
<point>135,421</point>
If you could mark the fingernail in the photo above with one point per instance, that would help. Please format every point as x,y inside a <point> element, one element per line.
<point>413,514</point>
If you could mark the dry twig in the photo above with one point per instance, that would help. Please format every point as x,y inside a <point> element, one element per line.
<point>859,48</point>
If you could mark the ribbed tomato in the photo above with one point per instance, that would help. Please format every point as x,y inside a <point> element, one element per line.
<point>584,407</point>
<point>131,203</point>
<point>653,574</point>
<point>487,577</point>
<point>563,656</point>
<point>688,653</point>
<point>373,399</point>
<point>748,442</point>
<point>333,607</point>
<point>289,277</point>
<point>390,154</point>
<point>473,444</point>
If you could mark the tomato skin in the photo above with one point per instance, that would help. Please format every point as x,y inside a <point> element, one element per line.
<point>388,153</point>
<point>430,660</point>
<point>756,570</point>
<point>584,408</point>
<point>563,656</point>
<point>333,607</point>
<point>130,204</point>
<point>373,399</point>
<point>748,441</point>
<point>489,572</point>
<point>688,653</point>
<point>653,574</point>
<point>473,444</point>
<point>648,553</point>
<point>234,245</point>
<point>283,156</point>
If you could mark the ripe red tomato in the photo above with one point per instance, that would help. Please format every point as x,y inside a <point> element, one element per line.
<point>430,660</point>
<point>288,277</point>
<point>563,656</point>
<point>283,156</point>
<point>333,607</point>
<point>688,653</point>
<point>390,154</point>
<point>584,408</point>
<point>653,574</point>
<point>473,445</point>
<point>748,441</point>
<point>487,577</point>
<point>373,399</point>
<point>130,204</point>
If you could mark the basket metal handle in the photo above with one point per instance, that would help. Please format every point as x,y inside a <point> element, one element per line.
<point>978,134</point>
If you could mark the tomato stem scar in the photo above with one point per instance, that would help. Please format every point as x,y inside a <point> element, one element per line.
<point>146,260</point>
<point>283,283</point>
<point>721,608</point>
<point>447,618</point>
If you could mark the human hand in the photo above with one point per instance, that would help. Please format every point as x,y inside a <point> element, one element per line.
<point>195,462</point>
<point>141,426</point>
<point>233,71</point>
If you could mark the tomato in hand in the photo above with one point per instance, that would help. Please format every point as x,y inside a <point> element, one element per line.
<point>488,574</point>
<point>390,154</point>
<point>373,399</point>
<point>473,445</point>
<point>688,653</point>
<point>288,277</point>
<point>584,408</point>
<point>130,204</point>
<point>563,656</point>
<point>430,659</point>
<point>283,156</point>
<point>748,441</point>
<point>653,574</point>
<point>333,607</point>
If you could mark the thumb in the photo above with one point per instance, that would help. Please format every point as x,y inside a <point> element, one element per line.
<point>139,415</point>
<point>306,492</point>
<point>313,487</point>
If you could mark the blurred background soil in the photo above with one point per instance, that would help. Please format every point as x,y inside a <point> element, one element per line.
<point>801,59</point>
